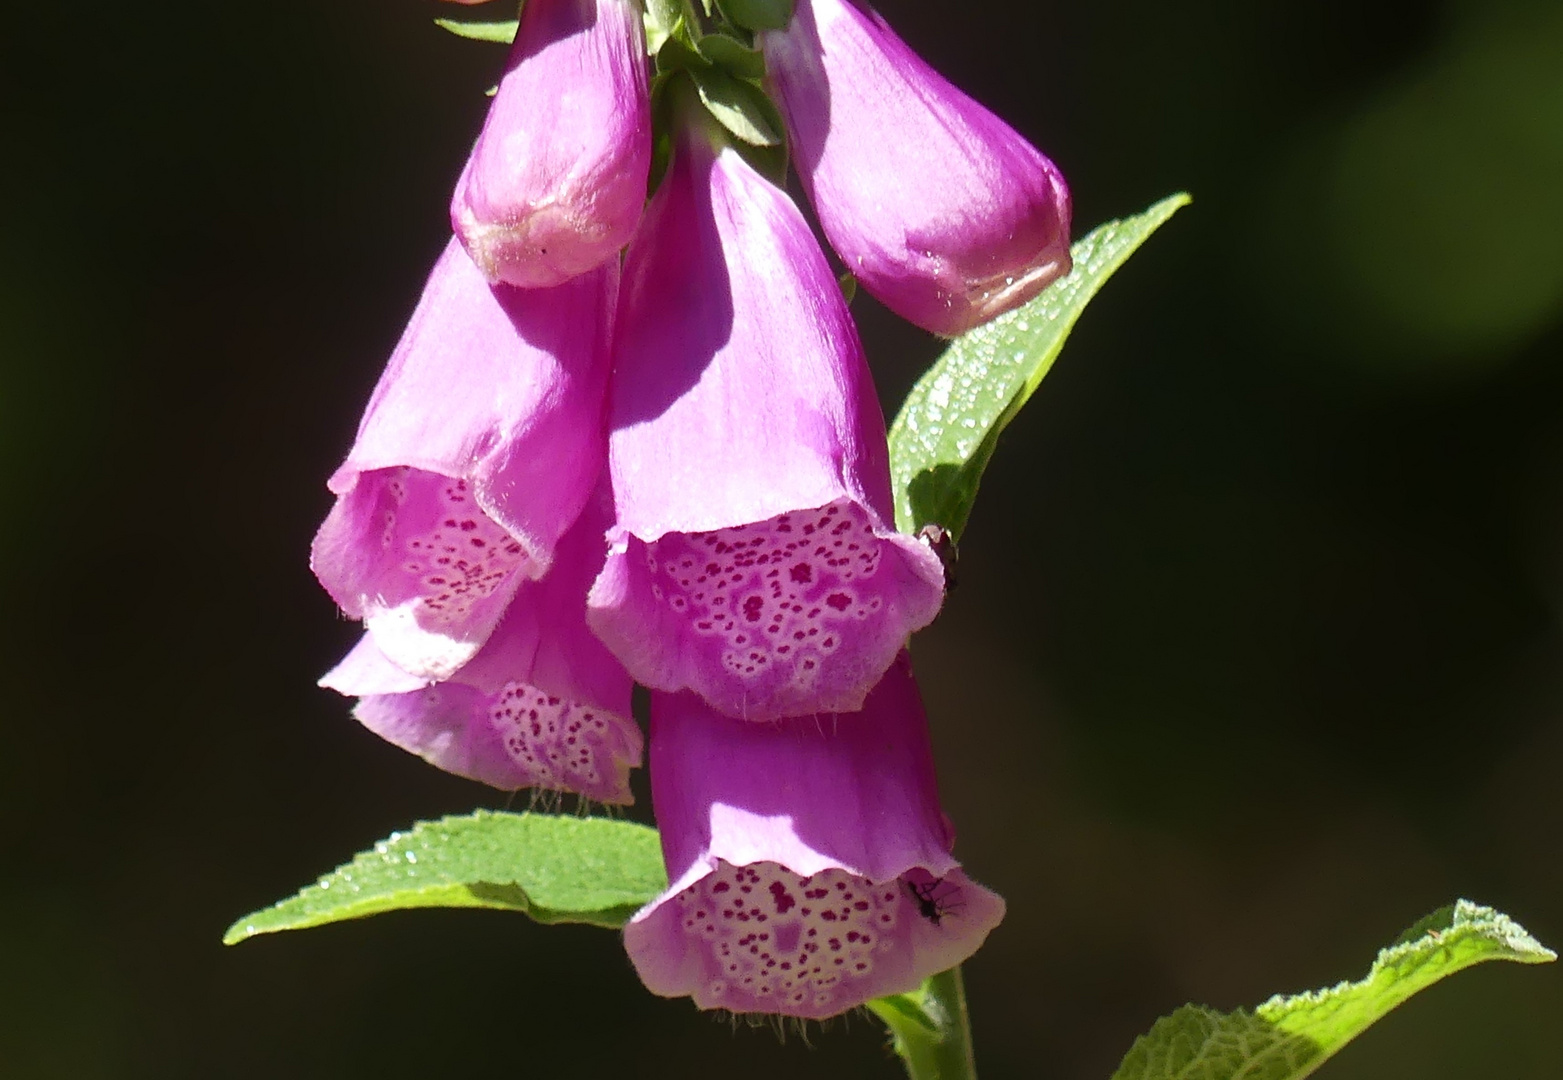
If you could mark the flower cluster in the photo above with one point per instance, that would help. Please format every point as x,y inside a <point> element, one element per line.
<point>582,470</point>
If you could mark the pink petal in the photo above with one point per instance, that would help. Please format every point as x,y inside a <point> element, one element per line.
<point>755,561</point>
<point>810,861</point>
<point>480,445</point>
<point>543,704</point>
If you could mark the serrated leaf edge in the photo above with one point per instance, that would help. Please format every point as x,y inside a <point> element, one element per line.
<point>1467,920</point>
<point>611,916</point>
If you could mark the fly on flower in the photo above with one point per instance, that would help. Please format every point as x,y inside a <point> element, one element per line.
<point>931,905</point>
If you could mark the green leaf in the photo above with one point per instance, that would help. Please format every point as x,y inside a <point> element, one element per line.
<point>502,32</point>
<point>1287,1038</point>
<point>555,869</point>
<point>946,432</point>
<point>740,107</point>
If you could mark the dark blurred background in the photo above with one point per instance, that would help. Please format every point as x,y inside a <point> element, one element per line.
<point>1256,654</point>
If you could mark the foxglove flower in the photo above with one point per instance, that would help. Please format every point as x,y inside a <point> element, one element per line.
<point>754,560</point>
<point>809,860</point>
<point>938,207</point>
<point>556,181</point>
<point>543,704</point>
<point>479,448</point>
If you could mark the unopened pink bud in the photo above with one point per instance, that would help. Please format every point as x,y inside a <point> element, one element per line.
<point>557,179</point>
<point>940,209</point>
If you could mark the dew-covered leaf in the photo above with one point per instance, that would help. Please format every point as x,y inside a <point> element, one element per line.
<point>1288,1037</point>
<point>553,868</point>
<point>945,433</point>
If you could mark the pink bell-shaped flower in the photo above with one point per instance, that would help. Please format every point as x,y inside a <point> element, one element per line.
<point>543,704</point>
<point>934,204</point>
<point>809,860</point>
<point>480,446</point>
<point>557,179</point>
<point>754,561</point>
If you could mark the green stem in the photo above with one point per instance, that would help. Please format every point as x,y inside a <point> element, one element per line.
<point>931,1029</point>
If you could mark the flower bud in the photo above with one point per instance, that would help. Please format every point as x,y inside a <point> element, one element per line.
<point>557,179</point>
<point>934,204</point>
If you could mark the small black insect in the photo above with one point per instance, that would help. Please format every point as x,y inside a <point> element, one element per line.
<point>930,905</point>
<point>939,539</point>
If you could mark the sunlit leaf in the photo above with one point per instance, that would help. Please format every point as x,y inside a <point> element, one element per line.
<point>946,431</point>
<point>553,868</point>
<point>1287,1038</point>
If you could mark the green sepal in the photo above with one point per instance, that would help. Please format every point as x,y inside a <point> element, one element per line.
<point>502,32</point>
<point>732,56</point>
<point>555,868</point>
<point>661,128</point>
<point>946,431</point>
<point>740,107</point>
<point>676,55</point>
<point>1288,1038</point>
<point>757,14</point>
<point>929,1028</point>
<point>663,19</point>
